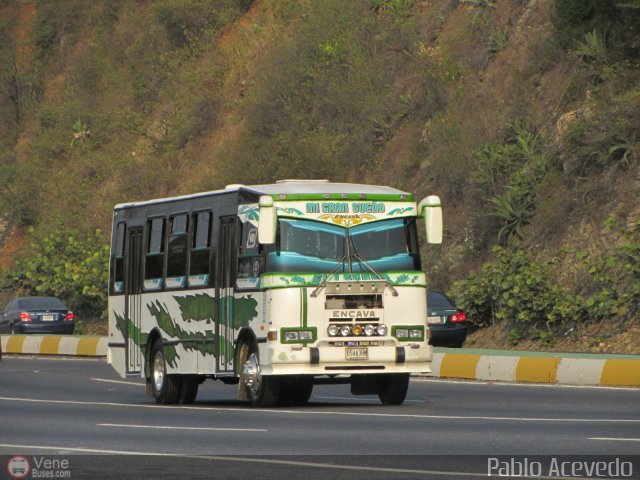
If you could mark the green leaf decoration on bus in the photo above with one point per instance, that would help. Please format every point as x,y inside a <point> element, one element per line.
<point>298,279</point>
<point>163,318</point>
<point>198,308</point>
<point>252,213</point>
<point>289,211</point>
<point>170,354</point>
<point>129,330</point>
<point>399,211</point>
<point>122,324</point>
<point>402,278</point>
<point>166,324</point>
<point>244,311</point>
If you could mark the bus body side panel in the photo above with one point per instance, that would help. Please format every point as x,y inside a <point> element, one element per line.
<point>186,321</point>
<point>116,356</point>
<point>250,311</point>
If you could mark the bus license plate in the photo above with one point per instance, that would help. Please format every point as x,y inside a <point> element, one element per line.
<point>356,353</point>
<point>47,318</point>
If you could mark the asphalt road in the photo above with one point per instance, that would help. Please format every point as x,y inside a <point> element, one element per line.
<point>81,410</point>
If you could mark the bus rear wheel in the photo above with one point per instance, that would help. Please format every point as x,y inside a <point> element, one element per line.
<point>165,388</point>
<point>392,388</point>
<point>262,390</point>
<point>188,389</point>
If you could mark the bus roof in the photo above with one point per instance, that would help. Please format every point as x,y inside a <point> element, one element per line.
<point>293,189</point>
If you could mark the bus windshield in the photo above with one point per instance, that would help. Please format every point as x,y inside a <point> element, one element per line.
<point>307,246</point>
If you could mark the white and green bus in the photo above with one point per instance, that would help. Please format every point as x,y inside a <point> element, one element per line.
<point>275,288</point>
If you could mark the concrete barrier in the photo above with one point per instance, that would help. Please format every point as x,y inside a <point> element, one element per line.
<point>537,367</point>
<point>84,346</point>
<point>468,364</point>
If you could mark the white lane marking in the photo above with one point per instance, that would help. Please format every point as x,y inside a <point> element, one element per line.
<point>372,399</point>
<point>122,382</point>
<point>166,427</point>
<point>331,413</point>
<point>605,439</point>
<point>331,466</point>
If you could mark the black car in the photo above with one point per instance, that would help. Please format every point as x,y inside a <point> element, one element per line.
<point>448,324</point>
<point>37,315</point>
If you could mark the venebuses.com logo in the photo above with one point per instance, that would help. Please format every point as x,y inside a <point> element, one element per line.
<point>38,467</point>
<point>18,467</point>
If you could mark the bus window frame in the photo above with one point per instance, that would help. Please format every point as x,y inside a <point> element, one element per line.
<point>258,257</point>
<point>163,252</point>
<point>206,281</point>
<point>176,282</point>
<point>113,271</point>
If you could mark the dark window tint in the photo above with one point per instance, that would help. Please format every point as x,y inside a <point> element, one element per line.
<point>200,243</point>
<point>39,302</point>
<point>179,225</point>
<point>119,247</point>
<point>436,299</point>
<point>154,260</point>
<point>250,263</point>
<point>156,236</point>
<point>119,257</point>
<point>202,230</point>
<point>177,250</point>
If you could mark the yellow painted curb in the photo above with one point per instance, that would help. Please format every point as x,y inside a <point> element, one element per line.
<point>49,345</point>
<point>87,346</point>
<point>537,369</point>
<point>459,366</point>
<point>621,373</point>
<point>15,343</point>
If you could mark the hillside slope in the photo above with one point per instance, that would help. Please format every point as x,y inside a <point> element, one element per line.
<point>524,116</point>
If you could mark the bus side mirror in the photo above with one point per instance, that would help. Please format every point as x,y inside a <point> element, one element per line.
<point>431,210</point>
<point>267,222</point>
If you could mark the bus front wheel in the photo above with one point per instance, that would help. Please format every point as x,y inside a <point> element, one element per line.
<point>166,388</point>
<point>392,388</point>
<point>262,390</point>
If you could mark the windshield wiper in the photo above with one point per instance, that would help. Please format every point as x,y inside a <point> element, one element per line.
<point>326,279</point>
<point>362,261</point>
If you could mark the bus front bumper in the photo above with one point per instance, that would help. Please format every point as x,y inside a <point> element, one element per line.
<point>332,360</point>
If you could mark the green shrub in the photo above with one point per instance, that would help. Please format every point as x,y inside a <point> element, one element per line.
<point>617,276</point>
<point>63,264</point>
<point>515,210</point>
<point>593,47</point>
<point>517,289</point>
<point>508,175</point>
<point>497,42</point>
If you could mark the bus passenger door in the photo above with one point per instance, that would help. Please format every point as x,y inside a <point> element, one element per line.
<point>133,303</point>
<point>227,253</point>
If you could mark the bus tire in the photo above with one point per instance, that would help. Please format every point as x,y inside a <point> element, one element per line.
<point>262,390</point>
<point>165,388</point>
<point>188,389</point>
<point>392,388</point>
<point>296,389</point>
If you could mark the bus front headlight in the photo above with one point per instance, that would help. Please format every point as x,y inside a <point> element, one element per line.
<point>345,330</point>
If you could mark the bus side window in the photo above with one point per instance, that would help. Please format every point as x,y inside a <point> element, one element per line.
<point>177,251</point>
<point>200,249</point>
<point>117,275</point>
<point>250,263</point>
<point>154,258</point>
